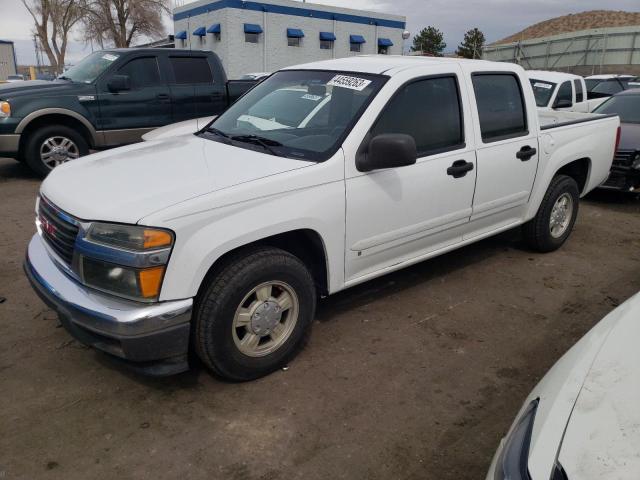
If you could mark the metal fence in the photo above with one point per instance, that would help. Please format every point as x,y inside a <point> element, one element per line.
<point>605,50</point>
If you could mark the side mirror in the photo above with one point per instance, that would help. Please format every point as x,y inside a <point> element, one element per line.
<point>388,150</point>
<point>564,103</point>
<point>119,83</point>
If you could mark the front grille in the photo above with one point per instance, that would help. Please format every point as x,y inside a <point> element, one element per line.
<point>624,157</point>
<point>58,232</point>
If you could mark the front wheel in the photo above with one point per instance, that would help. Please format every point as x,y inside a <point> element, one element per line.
<point>255,314</point>
<point>553,223</point>
<point>48,147</point>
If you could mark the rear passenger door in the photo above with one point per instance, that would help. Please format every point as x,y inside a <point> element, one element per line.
<point>399,214</point>
<point>195,90</point>
<point>507,147</point>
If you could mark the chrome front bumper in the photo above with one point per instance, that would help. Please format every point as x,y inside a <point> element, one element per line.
<point>154,338</point>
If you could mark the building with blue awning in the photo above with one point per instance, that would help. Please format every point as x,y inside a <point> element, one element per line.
<point>267,35</point>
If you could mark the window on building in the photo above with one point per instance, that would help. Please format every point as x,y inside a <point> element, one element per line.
<point>429,110</point>
<point>500,106</point>
<point>355,42</point>
<point>293,41</point>
<point>355,47</point>
<point>191,70</point>
<point>251,37</point>
<point>326,44</point>
<point>383,50</point>
<point>579,91</point>
<point>216,36</point>
<point>142,72</point>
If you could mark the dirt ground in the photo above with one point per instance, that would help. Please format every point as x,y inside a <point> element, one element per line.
<point>416,375</point>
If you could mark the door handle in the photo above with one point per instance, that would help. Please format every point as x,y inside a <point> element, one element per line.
<point>163,97</point>
<point>526,153</point>
<point>459,168</point>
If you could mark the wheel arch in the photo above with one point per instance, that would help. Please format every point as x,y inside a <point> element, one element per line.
<point>579,170</point>
<point>305,243</point>
<point>49,116</point>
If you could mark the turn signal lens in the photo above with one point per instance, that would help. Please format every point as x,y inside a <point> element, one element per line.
<point>5,109</point>
<point>150,280</point>
<point>157,238</point>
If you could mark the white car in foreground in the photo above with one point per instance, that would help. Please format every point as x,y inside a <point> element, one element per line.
<point>582,421</point>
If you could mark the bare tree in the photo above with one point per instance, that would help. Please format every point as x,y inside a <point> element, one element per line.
<point>54,20</point>
<point>119,22</point>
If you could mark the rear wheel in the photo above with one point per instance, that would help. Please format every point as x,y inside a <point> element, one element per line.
<point>48,147</point>
<point>255,314</point>
<point>553,223</point>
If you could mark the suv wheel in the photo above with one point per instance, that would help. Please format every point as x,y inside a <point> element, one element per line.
<point>255,314</point>
<point>48,147</point>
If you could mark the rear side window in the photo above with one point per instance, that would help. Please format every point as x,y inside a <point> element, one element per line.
<point>191,70</point>
<point>608,87</point>
<point>579,91</point>
<point>565,93</point>
<point>430,111</point>
<point>142,72</point>
<point>500,106</point>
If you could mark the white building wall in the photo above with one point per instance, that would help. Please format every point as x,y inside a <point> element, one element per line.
<point>272,51</point>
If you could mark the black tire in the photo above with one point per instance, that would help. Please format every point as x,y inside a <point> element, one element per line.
<point>223,293</point>
<point>36,139</point>
<point>537,231</point>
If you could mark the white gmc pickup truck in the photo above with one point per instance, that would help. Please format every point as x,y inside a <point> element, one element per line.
<point>220,242</point>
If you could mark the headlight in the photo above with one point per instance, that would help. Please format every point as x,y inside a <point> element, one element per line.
<point>5,109</point>
<point>124,260</point>
<point>513,460</point>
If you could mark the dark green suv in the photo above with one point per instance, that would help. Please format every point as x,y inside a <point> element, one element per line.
<point>110,98</point>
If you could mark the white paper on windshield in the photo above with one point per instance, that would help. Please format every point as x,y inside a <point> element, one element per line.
<point>542,85</point>
<point>308,96</point>
<point>352,83</point>
<point>110,57</point>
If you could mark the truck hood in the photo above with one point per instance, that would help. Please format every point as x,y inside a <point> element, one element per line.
<point>38,87</point>
<point>629,136</point>
<point>602,439</point>
<point>129,183</point>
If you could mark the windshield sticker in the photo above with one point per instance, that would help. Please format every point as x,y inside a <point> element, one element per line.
<point>308,96</point>
<point>542,85</point>
<point>352,83</point>
<point>110,57</point>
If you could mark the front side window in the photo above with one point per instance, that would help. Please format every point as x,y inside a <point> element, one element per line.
<point>565,94</point>
<point>190,70</point>
<point>543,91</point>
<point>608,87</point>
<point>297,114</point>
<point>91,67</point>
<point>579,91</point>
<point>500,106</point>
<point>626,106</point>
<point>142,72</point>
<point>429,110</point>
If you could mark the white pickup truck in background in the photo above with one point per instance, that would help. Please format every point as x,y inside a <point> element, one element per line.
<point>562,91</point>
<point>220,242</point>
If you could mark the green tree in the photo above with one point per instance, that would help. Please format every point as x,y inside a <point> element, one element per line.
<point>430,41</point>
<point>471,46</point>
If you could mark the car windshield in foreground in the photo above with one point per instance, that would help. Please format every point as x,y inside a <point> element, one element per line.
<point>627,107</point>
<point>301,114</point>
<point>542,91</point>
<point>90,68</point>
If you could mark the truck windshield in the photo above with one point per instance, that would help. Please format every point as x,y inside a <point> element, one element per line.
<point>297,113</point>
<point>90,67</point>
<point>542,91</point>
<point>627,107</point>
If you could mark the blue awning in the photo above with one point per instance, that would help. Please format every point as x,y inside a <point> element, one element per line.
<point>294,33</point>
<point>181,35</point>
<point>385,42</point>
<point>200,32</point>
<point>252,28</point>
<point>328,36</point>
<point>215,28</point>
<point>357,39</point>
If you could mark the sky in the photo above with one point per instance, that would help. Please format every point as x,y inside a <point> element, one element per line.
<point>496,18</point>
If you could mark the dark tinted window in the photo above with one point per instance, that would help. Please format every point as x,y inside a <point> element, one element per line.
<point>428,110</point>
<point>500,106</point>
<point>625,106</point>
<point>579,92</point>
<point>143,72</point>
<point>191,70</point>
<point>608,86</point>
<point>565,93</point>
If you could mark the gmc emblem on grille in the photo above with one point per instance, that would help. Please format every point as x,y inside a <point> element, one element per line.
<point>47,227</point>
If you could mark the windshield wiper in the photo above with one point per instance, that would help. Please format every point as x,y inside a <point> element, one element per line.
<point>217,132</point>
<point>264,142</point>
